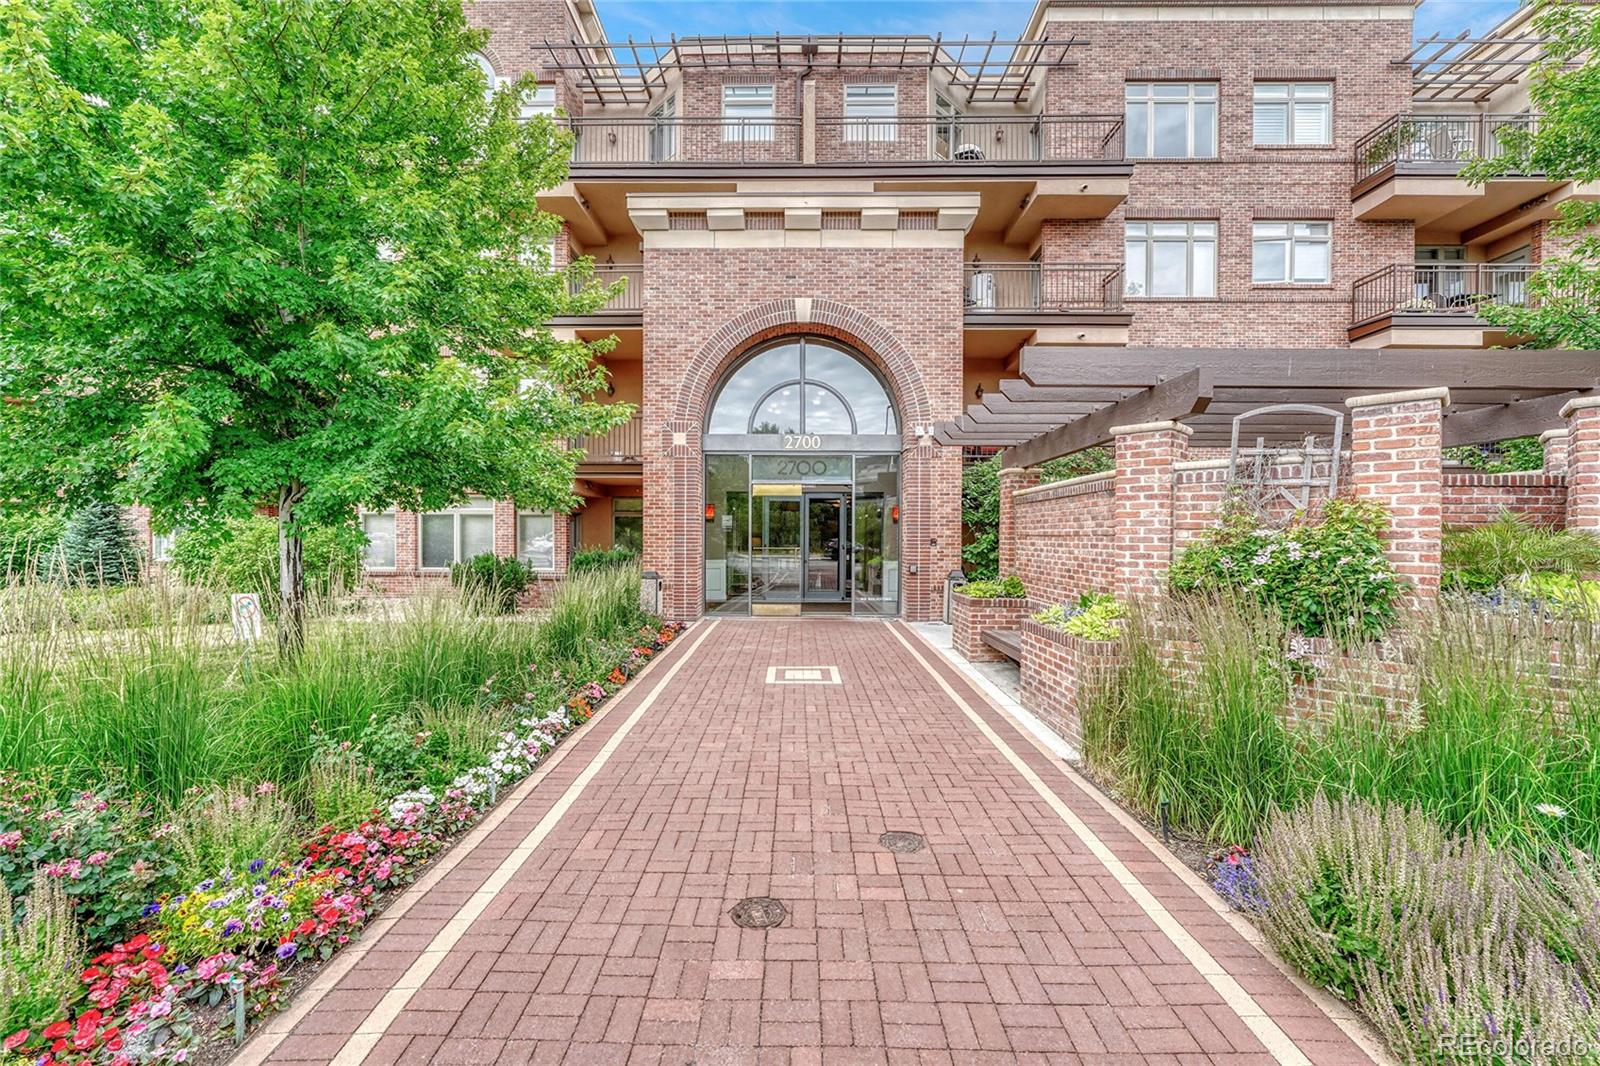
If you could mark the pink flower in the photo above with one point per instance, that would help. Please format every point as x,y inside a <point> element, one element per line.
<point>266,788</point>
<point>99,858</point>
<point>11,841</point>
<point>70,868</point>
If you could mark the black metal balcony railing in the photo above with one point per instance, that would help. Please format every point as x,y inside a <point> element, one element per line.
<point>630,299</point>
<point>898,139</point>
<point>1429,139</point>
<point>970,139</point>
<point>619,444</point>
<point>685,140</point>
<point>1438,289</point>
<point>1043,287</point>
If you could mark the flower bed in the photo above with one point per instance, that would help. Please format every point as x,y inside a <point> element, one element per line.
<point>177,959</point>
<point>1058,669</point>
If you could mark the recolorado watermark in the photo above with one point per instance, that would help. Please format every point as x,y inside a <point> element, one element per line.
<point>1483,1047</point>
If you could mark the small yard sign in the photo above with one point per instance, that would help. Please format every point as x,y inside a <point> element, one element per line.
<point>247,617</point>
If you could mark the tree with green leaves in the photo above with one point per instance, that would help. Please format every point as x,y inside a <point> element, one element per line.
<point>1564,145</point>
<point>282,254</point>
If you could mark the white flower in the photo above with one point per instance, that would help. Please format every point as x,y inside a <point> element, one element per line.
<point>1550,810</point>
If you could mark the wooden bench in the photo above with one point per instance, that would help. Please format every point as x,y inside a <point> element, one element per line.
<point>1007,642</point>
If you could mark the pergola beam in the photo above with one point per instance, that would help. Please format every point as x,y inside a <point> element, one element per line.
<point>1184,395</point>
<point>1352,370</point>
<point>1522,418</point>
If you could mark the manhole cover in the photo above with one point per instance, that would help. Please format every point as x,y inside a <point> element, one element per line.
<point>903,843</point>
<point>758,912</point>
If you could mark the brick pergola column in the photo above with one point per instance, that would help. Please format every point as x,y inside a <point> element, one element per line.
<point>1397,460</point>
<point>1583,463</point>
<point>1555,450</point>
<point>1013,479</point>
<point>1142,520</point>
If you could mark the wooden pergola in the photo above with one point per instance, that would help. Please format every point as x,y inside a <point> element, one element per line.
<point>1068,399</point>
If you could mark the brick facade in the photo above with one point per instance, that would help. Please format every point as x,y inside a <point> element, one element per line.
<point>1243,183</point>
<point>899,308</point>
<point>1145,476</point>
<point>1471,498</point>
<point>1583,464</point>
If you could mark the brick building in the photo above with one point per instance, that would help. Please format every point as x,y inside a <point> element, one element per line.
<point>832,247</point>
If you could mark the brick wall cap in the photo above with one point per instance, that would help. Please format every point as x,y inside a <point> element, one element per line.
<point>1019,469</point>
<point>1391,399</point>
<point>1582,403</point>
<point>1202,464</point>
<point>1554,434</point>
<point>1081,479</point>
<point>1151,427</point>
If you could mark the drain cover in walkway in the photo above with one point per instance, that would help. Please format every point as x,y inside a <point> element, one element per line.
<point>903,843</point>
<point>758,912</point>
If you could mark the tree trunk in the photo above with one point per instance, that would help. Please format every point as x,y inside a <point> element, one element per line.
<point>291,576</point>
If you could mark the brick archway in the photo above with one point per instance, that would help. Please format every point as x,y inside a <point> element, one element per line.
<point>821,317</point>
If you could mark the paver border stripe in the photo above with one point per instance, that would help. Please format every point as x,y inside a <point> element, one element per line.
<point>1341,1013</point>
<point>264,1043</point>
<point>1277,1042</point>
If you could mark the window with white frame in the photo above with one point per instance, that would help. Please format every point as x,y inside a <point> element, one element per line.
<point>869,112</point>
<point>539,100</point>
<point>536,540</point>
<point>1171,120</point>
<point>457,534</point>
<point>490,82</point>
<point>161,545</point>
<point>1171,258</point>
<point>747,113</point>
<point>1296,252</point>
<point>1294,112</point>
<point>378,529</point>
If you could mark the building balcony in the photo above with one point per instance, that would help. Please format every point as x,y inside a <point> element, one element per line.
<point>1409,169</point>
<point>1434,304</point>
<point>618,449</point>
<point>628,302</point>
<point>1007,304</point>
<point>919,143</point>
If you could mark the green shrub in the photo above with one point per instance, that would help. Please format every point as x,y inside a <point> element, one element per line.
<point>96,547</point>
<point>40,957</point>
<point>493,581</point>
<point>590,607</point>
<point>241,555</point>
<point>341,788</point>
<point>1483,558</point>
<point>591,559</point>
<point>27,538</point>
<point>980,503</point>
<point>1009,587</point>
<point>1096,616</point>
<point>1448,945</point>
<point>231,829</point>
<point>1508,456</point>
<point>1326,576</point>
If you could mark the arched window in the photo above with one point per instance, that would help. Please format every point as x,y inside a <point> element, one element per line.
<point>489,81</point>
<point>803,385</point>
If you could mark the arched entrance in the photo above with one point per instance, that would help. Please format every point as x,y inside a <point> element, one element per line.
<point>802,481</point>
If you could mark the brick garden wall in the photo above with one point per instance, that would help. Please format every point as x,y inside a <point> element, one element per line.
<point>970,616</point>
<point>1063,535</point>
<point>1472,499</point>
<point>1058,670</point>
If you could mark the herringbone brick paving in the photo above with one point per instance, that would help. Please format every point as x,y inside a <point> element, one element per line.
<point>1005,941</point>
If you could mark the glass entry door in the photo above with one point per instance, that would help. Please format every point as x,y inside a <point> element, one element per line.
<point>776,540</point>
<point>825,554</point>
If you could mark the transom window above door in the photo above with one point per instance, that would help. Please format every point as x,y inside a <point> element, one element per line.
<point>806,385</point>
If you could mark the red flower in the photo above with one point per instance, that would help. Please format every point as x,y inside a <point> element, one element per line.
<point>57,1029</point>
<point>16,1039</point>
<point>304,927</point>
<point>137,942</point>
<point>329,914</point>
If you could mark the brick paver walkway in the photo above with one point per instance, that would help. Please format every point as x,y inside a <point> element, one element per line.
<point>596,929</point>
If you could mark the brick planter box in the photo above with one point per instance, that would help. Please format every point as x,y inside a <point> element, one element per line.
<point>970,616</point>
<point>1057,668</point>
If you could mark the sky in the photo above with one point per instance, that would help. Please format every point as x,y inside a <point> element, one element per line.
<point>646,19</point>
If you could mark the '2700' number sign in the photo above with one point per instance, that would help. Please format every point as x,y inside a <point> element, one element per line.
<point>801,442</point>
